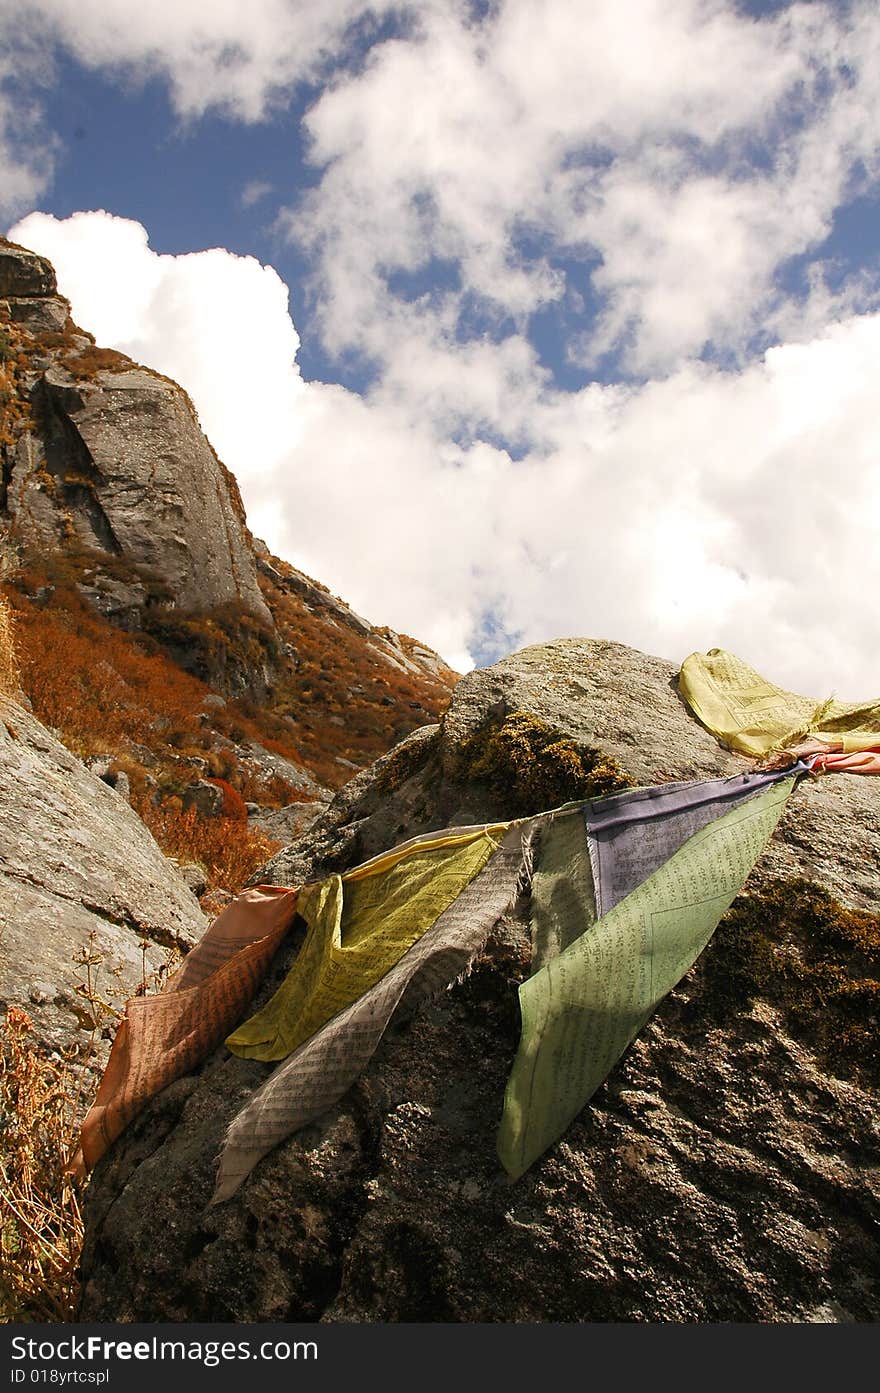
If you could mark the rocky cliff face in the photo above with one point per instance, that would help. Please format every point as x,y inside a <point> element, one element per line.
<point>728,1170</point>
<point>112,458</point>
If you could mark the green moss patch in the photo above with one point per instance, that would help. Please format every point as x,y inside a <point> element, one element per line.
<point>814,959</point>
<point>532,767</point>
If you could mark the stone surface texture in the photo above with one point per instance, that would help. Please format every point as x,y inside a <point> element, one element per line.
<point>122,460</point>
<point>24,273</point>
<point>79,875</point>
<point>722,1173</point>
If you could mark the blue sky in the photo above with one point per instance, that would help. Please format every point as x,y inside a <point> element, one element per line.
<point>514,320</point>
<point>199,183</point>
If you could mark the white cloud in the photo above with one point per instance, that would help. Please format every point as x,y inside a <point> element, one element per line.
<point>681,150</point>
<point>24,173</point>
<point>652,167</point>
<point>660,160</point>
<point>253,191</point>
<point>737,508</point>
<point>226,55</point>
<point>27,147</point>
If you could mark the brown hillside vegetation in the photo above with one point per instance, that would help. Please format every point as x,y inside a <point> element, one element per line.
<point>119,695</point>
<point>96,683</point>
<point>346,701</point>
<point>107,696</point>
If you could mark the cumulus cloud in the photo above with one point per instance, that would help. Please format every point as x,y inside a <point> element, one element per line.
<point>707,507</point>
<point>664,159</point>
<point>238,58</point>
<point>648,175</point>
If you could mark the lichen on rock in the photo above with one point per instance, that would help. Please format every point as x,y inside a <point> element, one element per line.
<point>816,960</point>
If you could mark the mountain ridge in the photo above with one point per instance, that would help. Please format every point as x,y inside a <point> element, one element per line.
<point>125,543</point>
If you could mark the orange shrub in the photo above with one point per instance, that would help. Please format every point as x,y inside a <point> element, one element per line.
<point>96,686</point>
<point>224,846</point>
<point>88,362</point>
<point>233,803</point>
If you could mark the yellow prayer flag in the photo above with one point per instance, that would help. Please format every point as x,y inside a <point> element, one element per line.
<point>359,925</point>
<point>750,714</point>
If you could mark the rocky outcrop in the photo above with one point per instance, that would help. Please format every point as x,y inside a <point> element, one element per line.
<point>383,646</point>
<point>121,462</point>
<point>317,597</point>
<point>108,457</point>
<point>110,494</point>
<point>728,1170</point>
<point>287,823</point>
<point>23,274</point>
<point>80,878</point>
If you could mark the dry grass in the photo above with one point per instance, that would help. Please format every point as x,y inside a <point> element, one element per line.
<point>40,1219</point>
<point>88,362</point>
<point>91,683</point>
<point>43,1099</point>
<point>8,665</point>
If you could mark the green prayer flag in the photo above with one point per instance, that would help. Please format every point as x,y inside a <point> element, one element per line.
<point>583,1008</point>
<point>563,898</point>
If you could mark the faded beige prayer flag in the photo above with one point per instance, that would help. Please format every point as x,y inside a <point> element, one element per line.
<point>327,1064</point>
<point>162,1037</point>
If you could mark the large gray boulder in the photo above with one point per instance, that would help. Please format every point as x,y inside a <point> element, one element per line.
<point>726,1171</point>
<point>80,876</point>
<point>601,695</point>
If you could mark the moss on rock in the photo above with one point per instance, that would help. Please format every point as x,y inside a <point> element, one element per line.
<point>532,767</point>
<point>407,758</point>
<point>811,957</point>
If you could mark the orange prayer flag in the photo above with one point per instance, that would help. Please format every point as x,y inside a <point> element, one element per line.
<point>163,1037</point>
